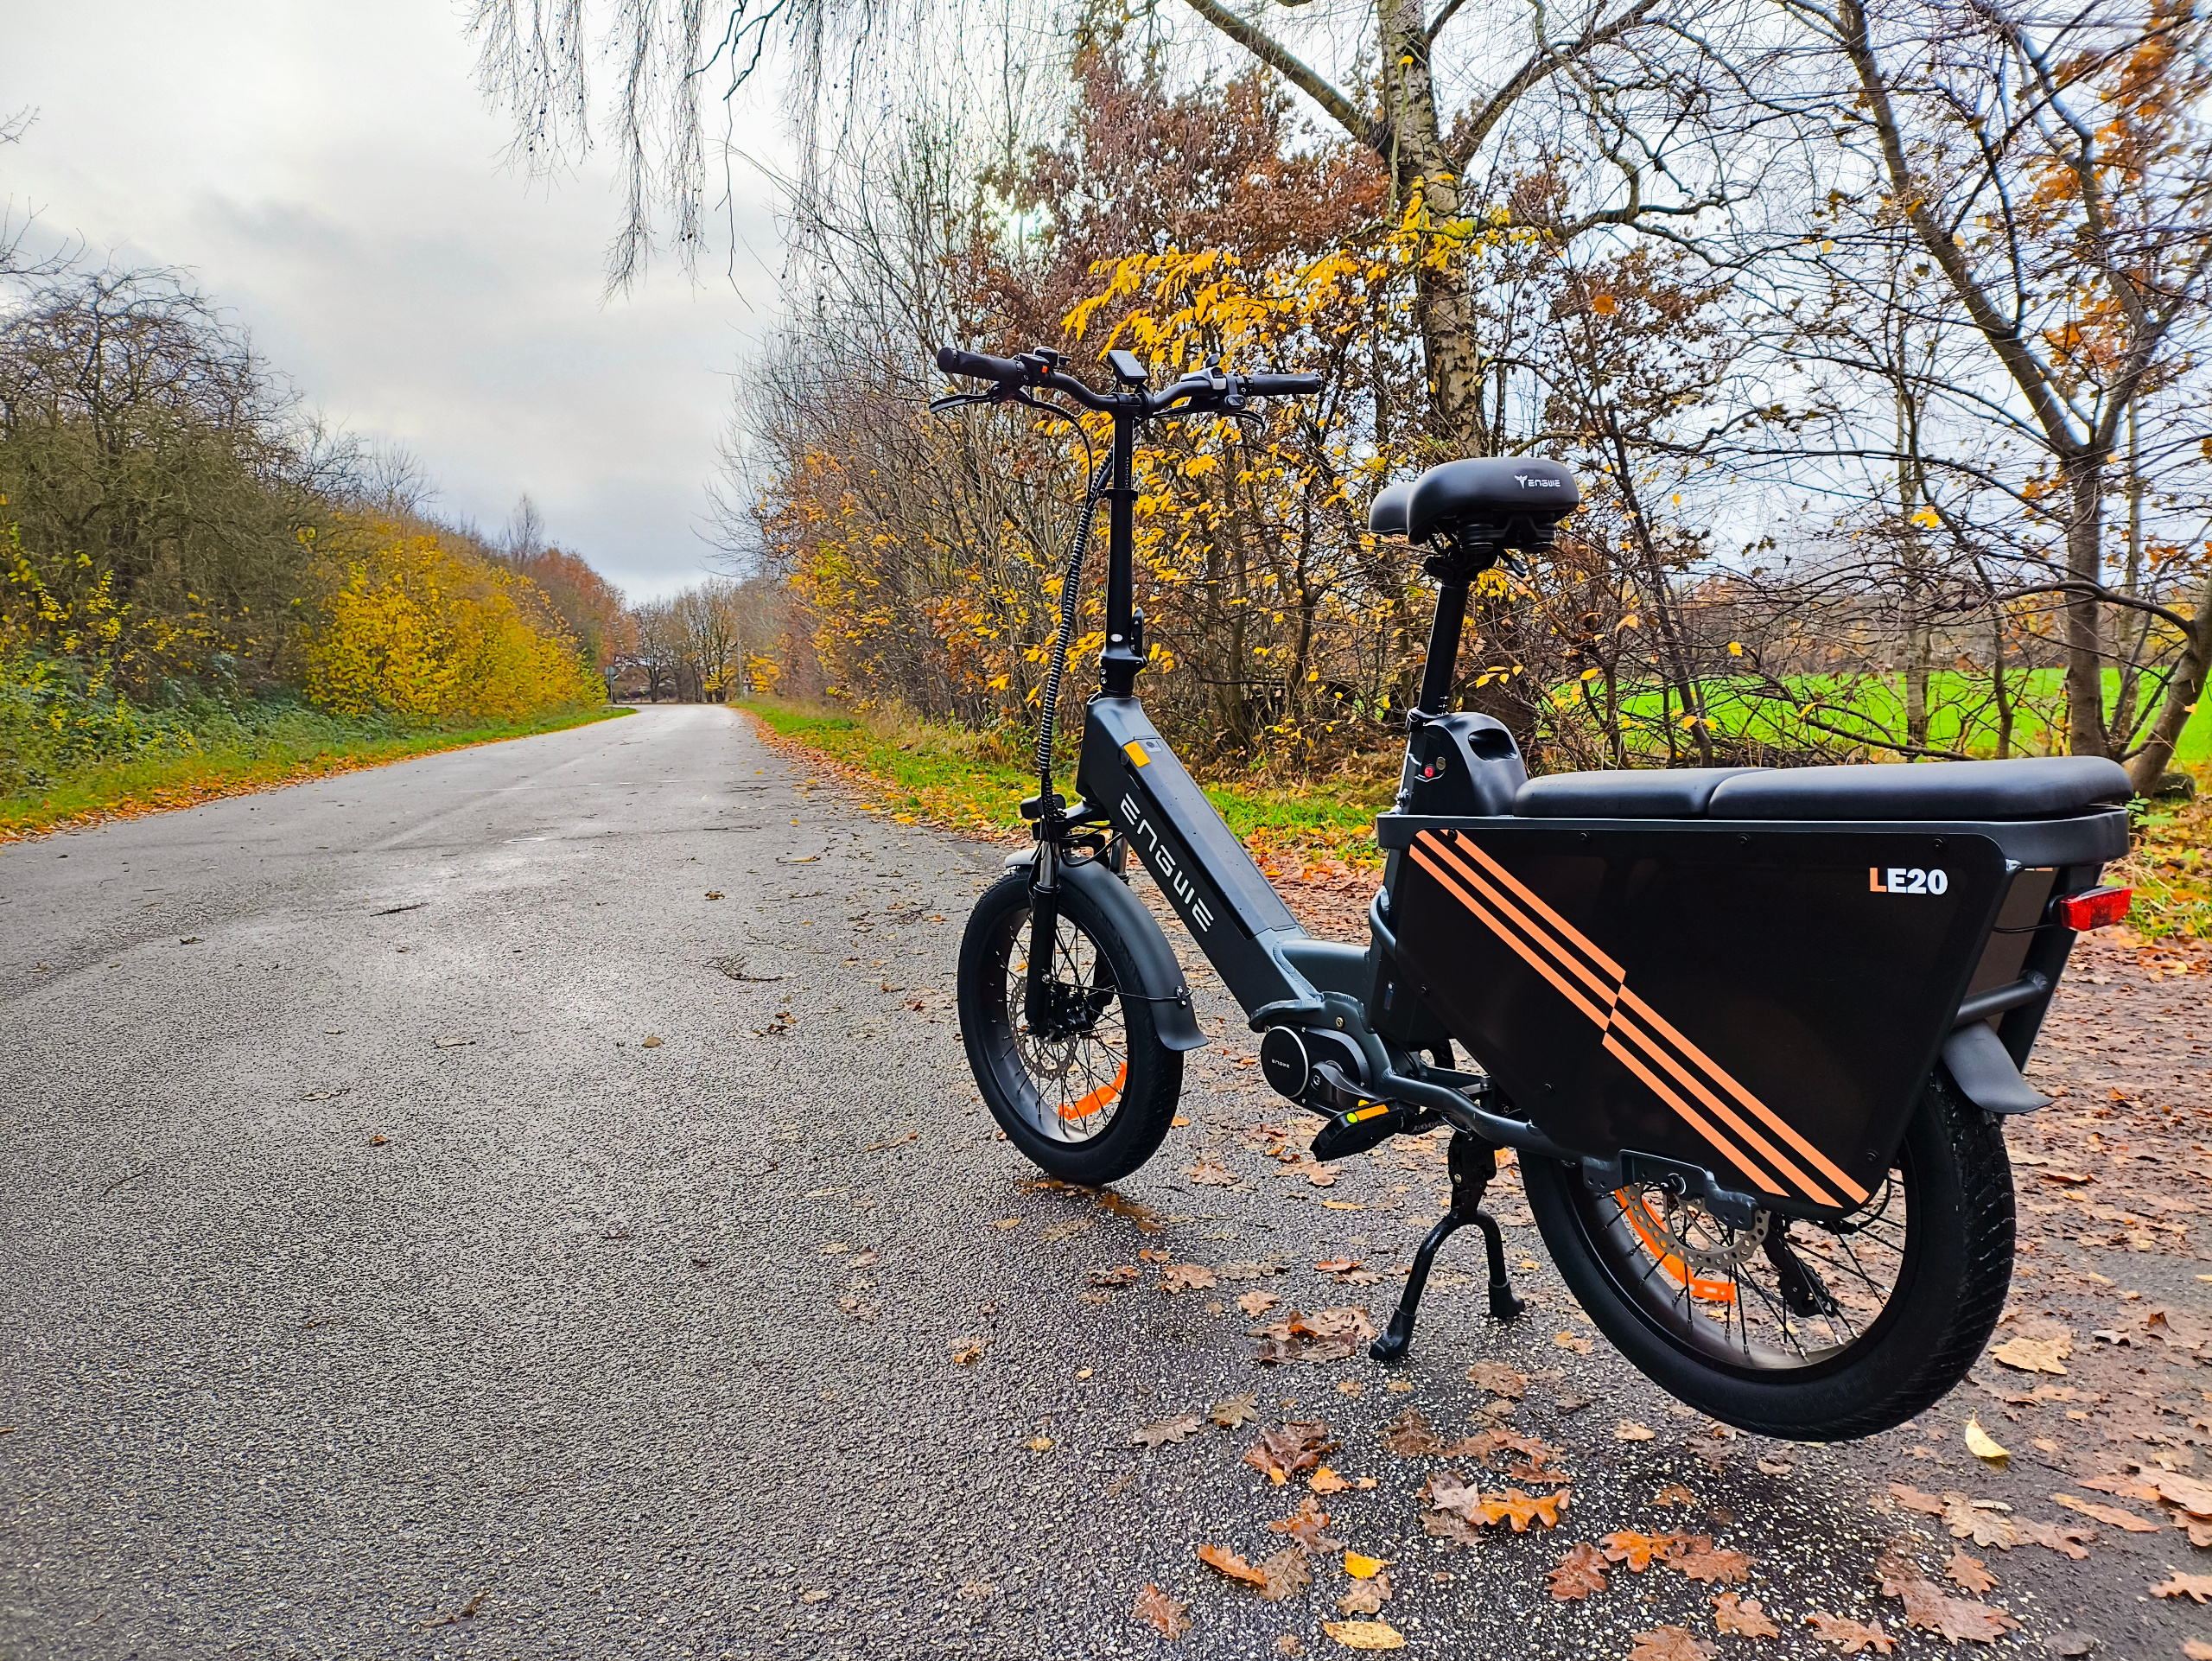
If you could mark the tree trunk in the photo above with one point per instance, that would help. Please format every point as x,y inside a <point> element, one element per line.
<point>2183,692</point>
<point>1421,167</point>
<point>2085,654</point>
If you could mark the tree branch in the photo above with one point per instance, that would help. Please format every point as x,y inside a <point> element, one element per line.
<point>1293,69</point>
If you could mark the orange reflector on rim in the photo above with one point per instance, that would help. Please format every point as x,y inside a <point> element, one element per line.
<point>1098,1098</point>
<point>1647,1231</point>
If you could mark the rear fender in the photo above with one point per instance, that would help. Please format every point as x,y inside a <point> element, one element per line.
<point>1164,986</point>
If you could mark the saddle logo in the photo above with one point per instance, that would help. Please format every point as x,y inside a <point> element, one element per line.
<point>1900,879</point>
<point>1171,878</point>
<point>1537,481</point>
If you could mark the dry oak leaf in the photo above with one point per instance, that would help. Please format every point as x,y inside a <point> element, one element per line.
<point>1743,1617</point>
<point>1674,1494</point>
<point>1630,1430</point>
<point>1325,1480</point>
<point>1125,1274</point>
<point>1926,1607</point>
<point>1285,1574</point>
<point>1257,1303</point>
<point>1522,1509</point>
<point>1222,1561</point>
<point>1162,1613</point>
<point>2111,1514</point>
<point>1336,1265</point>
<point>1571,1341</point>
<point>1324,1335</point>
<point>1498,1378</point>
<point>1640,1551</point>
<point>1411,1435</point>
<point>1578,1574</point>
<point>1168,1430</point>
<point>1282,1453</point>
<point>1848,1635</point>
<point>1233,1410</point>
<point>2034,1355</point>
<point>1913,1500</point>
<point>1670,1644</point>
<point>1307,1525</point>
<point>1969,1572</point>
<point>1365,1634</point>
<point>1707,1564</point>
<point>1366,1597</point>
<point>2186,1492</point>
<point>2197,1587</point>
<point>1207,1174</point>
<point>2198,1649</point>
<point>1186,1277</point>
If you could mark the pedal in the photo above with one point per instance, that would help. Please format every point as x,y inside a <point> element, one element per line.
<point>1355,1130</point>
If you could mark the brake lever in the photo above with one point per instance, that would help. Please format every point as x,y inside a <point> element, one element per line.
<point>954,400</point>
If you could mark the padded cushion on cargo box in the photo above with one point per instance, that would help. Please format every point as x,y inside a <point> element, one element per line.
<point>2028,787</point>
<point>1649,793</point>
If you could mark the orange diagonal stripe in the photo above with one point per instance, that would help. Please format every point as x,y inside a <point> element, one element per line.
<point>1696,1086</point>
<point>1460,893</point>
<point>1673,1097</point>
<point>1565,958</point>
<point>1565,928</point>
<point>1721,1077</point>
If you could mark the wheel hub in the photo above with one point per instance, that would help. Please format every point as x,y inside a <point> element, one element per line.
<point>1710,1247</point>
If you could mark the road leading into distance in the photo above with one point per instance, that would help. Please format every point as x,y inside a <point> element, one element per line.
<point>529,1201</point>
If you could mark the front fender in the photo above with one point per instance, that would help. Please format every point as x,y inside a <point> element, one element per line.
<point>1164,986</point>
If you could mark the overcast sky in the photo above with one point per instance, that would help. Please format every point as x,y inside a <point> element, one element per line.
<point>329,173</point>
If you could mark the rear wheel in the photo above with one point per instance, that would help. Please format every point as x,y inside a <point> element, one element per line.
<point>1811,1331</point>
<point>1089,1097</point>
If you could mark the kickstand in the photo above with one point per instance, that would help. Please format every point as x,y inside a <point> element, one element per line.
<point>1472,1164</point>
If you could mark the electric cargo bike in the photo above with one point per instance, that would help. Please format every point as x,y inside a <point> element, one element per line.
<point>1752,1034</point>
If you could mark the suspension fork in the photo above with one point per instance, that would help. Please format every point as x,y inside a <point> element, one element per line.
<point>1043,934</point>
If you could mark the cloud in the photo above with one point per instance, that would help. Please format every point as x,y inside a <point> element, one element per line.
<point>331,176</point>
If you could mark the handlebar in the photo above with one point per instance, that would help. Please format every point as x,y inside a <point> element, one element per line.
<point>1208,390</point>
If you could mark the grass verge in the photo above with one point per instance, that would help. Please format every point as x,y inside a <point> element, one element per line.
<point>973,781</point>
<point>299,744</point>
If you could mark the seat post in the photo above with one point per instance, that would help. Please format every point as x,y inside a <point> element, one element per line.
<point>1443,648</point>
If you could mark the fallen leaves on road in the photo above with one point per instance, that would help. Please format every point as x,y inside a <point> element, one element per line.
<point>1222,1561</point>
<point>1308,1526</point>
<point>1571,1341</point>
<point>1983,1446</point>
<point>1365,1597</point>
<point>1674,1494</point>
<point>2111,1514</point>
<point>1186,1277</point>
<point>1147,1220</point>
<point>1640,1551</point>
<point>1280,1453</point>
<point>1578,1574</point>
<point>1970,1572</point>
<point>1207,1174</point>
<point>1284,1575</point>
<point>1986,1525</point>
<point>1325,1481</point>
<point>1929,1609</point>
<point>1233,1410</point>
<point>1257,1303</point>
<point>967,1351</point>
<point>1630,1430</point>
<point>1324,1335</point>
<point>1742,1616</point>
<point>2035,1355</point>
<point>1848,1635</point>
<point>1175,1429</point>
<point>1364,1569</point>
<point>1162,1613</point>
<point>1448,1493</point>
<point>2197,1587</point>
<point>1498,1379</point>
<point>1703,1561</point>
<point>1669,1643</point>
<point>1122,1274</point>
<point>1365,1634</point>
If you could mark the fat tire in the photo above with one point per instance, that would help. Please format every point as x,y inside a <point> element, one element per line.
<point>1946,1304</point>
<point>1154,1084</point>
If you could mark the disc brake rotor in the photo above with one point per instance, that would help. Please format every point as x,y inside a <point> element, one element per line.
<point>1684,1228</point>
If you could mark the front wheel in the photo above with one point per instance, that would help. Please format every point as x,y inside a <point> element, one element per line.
<point>1089,1097</point>
<point>1807,1331</point>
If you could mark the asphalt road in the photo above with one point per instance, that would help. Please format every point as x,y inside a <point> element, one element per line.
<point>436,1210</point>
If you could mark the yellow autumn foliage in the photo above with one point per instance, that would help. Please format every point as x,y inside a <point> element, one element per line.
<point>409,627</point>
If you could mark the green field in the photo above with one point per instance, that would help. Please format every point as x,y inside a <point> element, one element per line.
<point>1961,715</point>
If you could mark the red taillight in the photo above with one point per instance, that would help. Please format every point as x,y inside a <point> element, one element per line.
<point>2094,907</point>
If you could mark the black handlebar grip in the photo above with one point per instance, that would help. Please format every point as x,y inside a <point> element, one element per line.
<point>976,367</point>
<point>1281,386</point>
